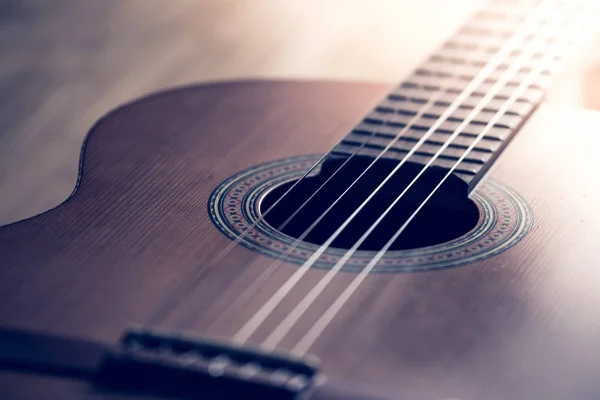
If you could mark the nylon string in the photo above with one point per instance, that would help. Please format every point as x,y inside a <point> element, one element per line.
<point>267,273</point>
<point>169,306</point>
<point>252,324</point>
<point>319,326</point>
<point>285,326</point>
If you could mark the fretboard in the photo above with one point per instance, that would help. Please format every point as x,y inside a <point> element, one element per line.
<point>444,76</point>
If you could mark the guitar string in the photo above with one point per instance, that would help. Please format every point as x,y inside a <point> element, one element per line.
<point>179,296</point>
<point>321,324</point>
<point>259,282</point>
<point>267,273</point>
<point>171,304</point>
<point>252,324</point>
<point>289,321</point>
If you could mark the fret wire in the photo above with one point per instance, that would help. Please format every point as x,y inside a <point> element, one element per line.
<point>171,304</point>
<point>252,324</point>
<point>332,151</point>
<point>267,273</point>
<point>291,319</point>
<point>273,266</point>
<point>318,327</point>
<point>164,311</point>
<point>425,79</point>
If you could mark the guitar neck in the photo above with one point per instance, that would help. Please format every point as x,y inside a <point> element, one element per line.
<point>476,68</point>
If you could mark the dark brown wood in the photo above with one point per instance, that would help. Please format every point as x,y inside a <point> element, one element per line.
<point>66,64</point>
<point>520,325</point>
<point>445,75</point>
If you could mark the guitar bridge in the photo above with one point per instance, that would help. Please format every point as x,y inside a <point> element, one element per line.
<point>150,361</point>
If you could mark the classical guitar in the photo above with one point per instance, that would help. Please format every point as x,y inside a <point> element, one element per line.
<point>318,240</point>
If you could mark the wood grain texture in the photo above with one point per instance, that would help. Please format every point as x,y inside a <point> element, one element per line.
<point>65,64</point>
<point>520,325</point>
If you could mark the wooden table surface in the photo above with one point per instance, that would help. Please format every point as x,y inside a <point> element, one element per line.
<point>65,63</point>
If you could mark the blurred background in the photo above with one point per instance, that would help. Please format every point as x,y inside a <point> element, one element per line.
<point>65,63</point>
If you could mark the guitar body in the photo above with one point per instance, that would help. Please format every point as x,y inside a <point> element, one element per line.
<point>520,324</point>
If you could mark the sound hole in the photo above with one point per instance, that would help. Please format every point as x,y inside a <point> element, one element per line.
<point>447,215</point>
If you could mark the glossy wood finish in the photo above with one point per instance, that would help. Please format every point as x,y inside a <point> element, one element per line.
<point>65,63</point>
<point>521,325</point>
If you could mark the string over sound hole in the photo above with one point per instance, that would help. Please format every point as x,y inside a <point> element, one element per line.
<point>447,215</point>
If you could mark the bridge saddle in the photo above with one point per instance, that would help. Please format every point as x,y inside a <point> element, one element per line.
<point>173,365</point>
